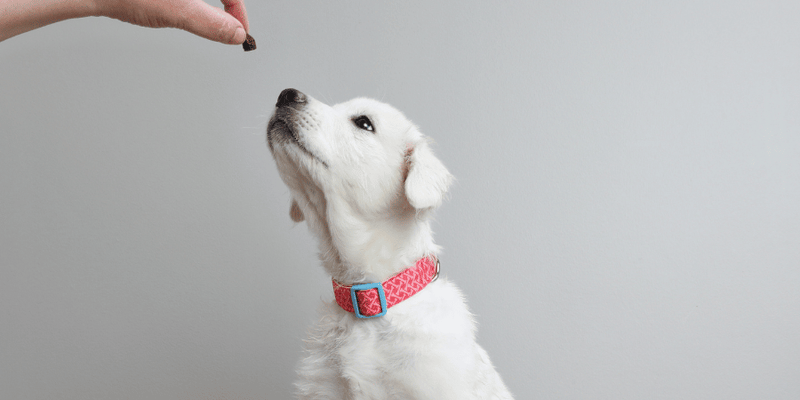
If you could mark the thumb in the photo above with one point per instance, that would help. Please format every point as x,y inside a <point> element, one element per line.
<point>214,24</point>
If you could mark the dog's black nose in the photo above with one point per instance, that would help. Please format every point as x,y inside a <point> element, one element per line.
<point>290,96</point>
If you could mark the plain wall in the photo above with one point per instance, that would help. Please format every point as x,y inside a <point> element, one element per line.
<point>625,224</point>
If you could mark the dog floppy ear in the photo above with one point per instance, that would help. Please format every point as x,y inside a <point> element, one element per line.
<point>427,179</point>
<point>295,213</point>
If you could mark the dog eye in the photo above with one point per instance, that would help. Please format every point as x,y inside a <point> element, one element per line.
<point>364,123</point>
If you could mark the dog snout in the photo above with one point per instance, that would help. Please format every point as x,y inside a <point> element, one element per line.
<point>289,97</point>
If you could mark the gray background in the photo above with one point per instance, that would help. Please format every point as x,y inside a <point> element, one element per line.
<point>626,221</point>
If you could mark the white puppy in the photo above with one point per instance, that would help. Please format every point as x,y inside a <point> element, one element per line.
<point>365,180</point>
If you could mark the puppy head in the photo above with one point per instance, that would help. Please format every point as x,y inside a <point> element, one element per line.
<point>359,159</point>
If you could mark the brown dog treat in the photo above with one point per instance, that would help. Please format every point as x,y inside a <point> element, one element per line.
<point>249,43</point>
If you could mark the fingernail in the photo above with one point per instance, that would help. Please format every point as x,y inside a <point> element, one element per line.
<point>238,35</point>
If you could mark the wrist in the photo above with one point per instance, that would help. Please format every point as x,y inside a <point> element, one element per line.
<point>24,15</point>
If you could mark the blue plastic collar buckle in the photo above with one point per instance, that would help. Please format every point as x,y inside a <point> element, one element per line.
<point>368,286</point>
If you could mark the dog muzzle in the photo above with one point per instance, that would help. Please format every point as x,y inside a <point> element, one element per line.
<point>370,300</point>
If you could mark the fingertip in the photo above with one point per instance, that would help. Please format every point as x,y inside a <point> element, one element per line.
<point>239,36</point>
<point>237,10</point>
<point>214,24</point>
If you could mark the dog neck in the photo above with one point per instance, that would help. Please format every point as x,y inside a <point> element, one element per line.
<point>355,248</point>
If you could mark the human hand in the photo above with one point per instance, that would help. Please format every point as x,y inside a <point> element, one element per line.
<point>195,16</point>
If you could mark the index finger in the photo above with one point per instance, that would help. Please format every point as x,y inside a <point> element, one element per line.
<point>236,8</point>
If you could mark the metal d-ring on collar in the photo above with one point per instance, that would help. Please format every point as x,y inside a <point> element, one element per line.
<point>436,275</point>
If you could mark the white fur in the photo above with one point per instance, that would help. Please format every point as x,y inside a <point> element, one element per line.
<point>367,197</point>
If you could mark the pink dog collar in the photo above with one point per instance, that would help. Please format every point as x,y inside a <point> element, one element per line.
<point>372,300</point>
